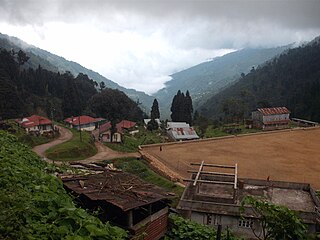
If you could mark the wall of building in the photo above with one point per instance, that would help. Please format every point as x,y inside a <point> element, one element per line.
<point>239,226</point>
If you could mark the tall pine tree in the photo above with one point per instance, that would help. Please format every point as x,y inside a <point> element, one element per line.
<point>155,110</point>
<point>181,108</point>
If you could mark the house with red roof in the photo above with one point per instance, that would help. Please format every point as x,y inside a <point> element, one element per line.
<point>271,118</point>
<point>104,134</point>
<point>36,124</point>
<point>85,123</point>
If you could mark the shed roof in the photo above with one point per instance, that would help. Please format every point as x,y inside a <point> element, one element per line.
<point>125,124</point>
<point>104,127</point>
<point>82,120</point>
<point>273,111</point>
<point>123,190</point>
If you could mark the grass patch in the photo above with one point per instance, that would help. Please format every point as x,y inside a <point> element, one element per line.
<point>24,137</point>
<point>140,168</point>
<point>212,131</point>
<point>73,149</point>
<point>131,143</point>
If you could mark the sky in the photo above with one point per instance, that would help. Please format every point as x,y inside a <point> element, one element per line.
<point>140,43</point>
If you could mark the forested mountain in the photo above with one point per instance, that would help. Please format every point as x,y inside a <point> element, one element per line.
<point>291,80</point>
<point>39,91</point>
<point>208,78</point>
<point>56,63</point>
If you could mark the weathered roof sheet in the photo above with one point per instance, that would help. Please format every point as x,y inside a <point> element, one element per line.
<point>183,133</point>
<point>274,111</point>
<point>123,190</point>
<point>177,125</point>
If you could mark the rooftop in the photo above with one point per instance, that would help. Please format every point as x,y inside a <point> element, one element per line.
<point>34,120</point>
<point>222,192</point>
<point>123,190</point>
<point>273,111</point>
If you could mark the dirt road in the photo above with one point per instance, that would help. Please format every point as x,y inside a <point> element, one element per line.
<point>104,153</point>
<point>65,135</point>
<point>285,156</point>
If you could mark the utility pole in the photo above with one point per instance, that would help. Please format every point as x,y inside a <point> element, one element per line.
<point>80,130</point>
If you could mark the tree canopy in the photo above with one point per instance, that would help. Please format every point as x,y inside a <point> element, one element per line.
<point>114,105</point>
<point>28,91</point>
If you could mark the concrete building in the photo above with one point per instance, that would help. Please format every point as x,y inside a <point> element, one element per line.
<point>214,198</point>
<point>271,118</point>
<point>180,131</point>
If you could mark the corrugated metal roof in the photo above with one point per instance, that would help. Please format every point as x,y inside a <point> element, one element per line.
<point>82,120</point>
<point>183,133</point>
<point>273,111</point>
<point>123,190</point>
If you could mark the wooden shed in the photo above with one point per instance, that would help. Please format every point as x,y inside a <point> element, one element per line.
<point>125,200</point>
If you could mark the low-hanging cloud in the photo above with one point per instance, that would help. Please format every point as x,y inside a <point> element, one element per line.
<point>139,43</point>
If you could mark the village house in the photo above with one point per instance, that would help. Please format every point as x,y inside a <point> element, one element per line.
<point>125,200</point>
<point>271,118</point>
<point>180,131</point>
<point>103,133</point>
<point>85,123</point>
<point>213,197</point>
<point>36,124</point>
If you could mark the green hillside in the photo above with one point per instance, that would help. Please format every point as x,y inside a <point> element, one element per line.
<point>34,204</point>
<point>291,80</point>
<point>56,63</point>
<point>28,91</point>
<point>208,78</point>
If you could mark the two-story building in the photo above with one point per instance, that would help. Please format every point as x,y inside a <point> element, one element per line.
<point>271,118</point>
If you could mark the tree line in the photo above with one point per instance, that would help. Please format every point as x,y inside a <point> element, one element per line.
<point>59,95</point>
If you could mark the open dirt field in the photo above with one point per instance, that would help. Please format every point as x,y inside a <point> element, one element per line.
<point>285,156</point>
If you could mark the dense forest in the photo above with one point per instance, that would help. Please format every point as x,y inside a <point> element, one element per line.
<point>291,80</point>
<point>28,91</point>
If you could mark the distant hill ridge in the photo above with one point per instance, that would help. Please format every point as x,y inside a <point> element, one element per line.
<point>292,80</point>
<point>56,63</point>
<point>207,79</point>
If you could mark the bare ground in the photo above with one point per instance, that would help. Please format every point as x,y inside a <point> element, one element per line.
<point>284,156</point>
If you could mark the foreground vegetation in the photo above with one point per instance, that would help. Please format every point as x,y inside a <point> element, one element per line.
<point>34,204</point>
<point>189,230</point>
<point>141,169</point>
<point>75,149</point>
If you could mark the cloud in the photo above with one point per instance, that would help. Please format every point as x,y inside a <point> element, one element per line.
<point>140,43</point>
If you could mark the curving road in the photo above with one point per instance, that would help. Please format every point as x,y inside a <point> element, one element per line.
<point>65,135</point>
<point>104,153</point>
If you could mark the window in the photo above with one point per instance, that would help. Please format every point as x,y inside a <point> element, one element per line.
<point>213,219</point>
<point>245,223</point>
